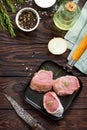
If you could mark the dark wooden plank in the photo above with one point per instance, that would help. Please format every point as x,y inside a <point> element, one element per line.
<point>21,60</point>
<point>14,87</point>
<point>74,119</point>
<point>15,58</point>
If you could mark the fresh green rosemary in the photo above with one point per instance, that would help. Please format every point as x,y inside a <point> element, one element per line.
<point>11,5</point>
<point>5,20</point>
<point>21,1</point>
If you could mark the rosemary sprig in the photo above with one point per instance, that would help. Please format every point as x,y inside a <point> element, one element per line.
<point>2,22</point>
<point>6,19</point>
<point>21,1</point>
<point>11,5</point>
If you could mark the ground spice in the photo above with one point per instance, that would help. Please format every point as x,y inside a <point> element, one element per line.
<point>27,19</point>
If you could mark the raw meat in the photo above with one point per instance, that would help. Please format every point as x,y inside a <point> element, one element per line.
<point>42,81</point>
<point>52,104</point>
<point>66,85</point>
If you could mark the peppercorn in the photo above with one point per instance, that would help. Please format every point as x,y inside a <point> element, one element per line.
<point>27,19</point>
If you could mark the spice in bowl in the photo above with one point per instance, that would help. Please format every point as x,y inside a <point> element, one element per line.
<point>27,19</point>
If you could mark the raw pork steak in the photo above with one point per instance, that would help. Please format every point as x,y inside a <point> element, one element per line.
<point>66,85</point>
<point>42,81</point>
<point>52,104</point>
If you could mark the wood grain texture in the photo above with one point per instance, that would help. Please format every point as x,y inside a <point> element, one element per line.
<point>69,122</point>
<point>20,57</point>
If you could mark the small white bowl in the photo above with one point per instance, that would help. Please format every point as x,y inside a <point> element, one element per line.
<point>29,29</point>
<point>45,3</point>
<point>57,46</point>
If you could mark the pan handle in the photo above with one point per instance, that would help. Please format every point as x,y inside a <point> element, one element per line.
<point>76,54</point>
<point>80,49</point>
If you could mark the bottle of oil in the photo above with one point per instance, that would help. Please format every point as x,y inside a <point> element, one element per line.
<point>66,15</point>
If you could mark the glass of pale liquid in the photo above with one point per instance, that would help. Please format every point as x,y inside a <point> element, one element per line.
<point>66,15</point>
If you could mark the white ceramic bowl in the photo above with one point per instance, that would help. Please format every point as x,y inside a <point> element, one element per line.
<point>57,46</point>
<point>19,14</point>
<point>45,3</point>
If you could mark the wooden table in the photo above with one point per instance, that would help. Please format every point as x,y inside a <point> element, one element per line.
<point>19,59</point>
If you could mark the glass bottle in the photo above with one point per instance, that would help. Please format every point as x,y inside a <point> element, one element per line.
<point>66,15</point>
